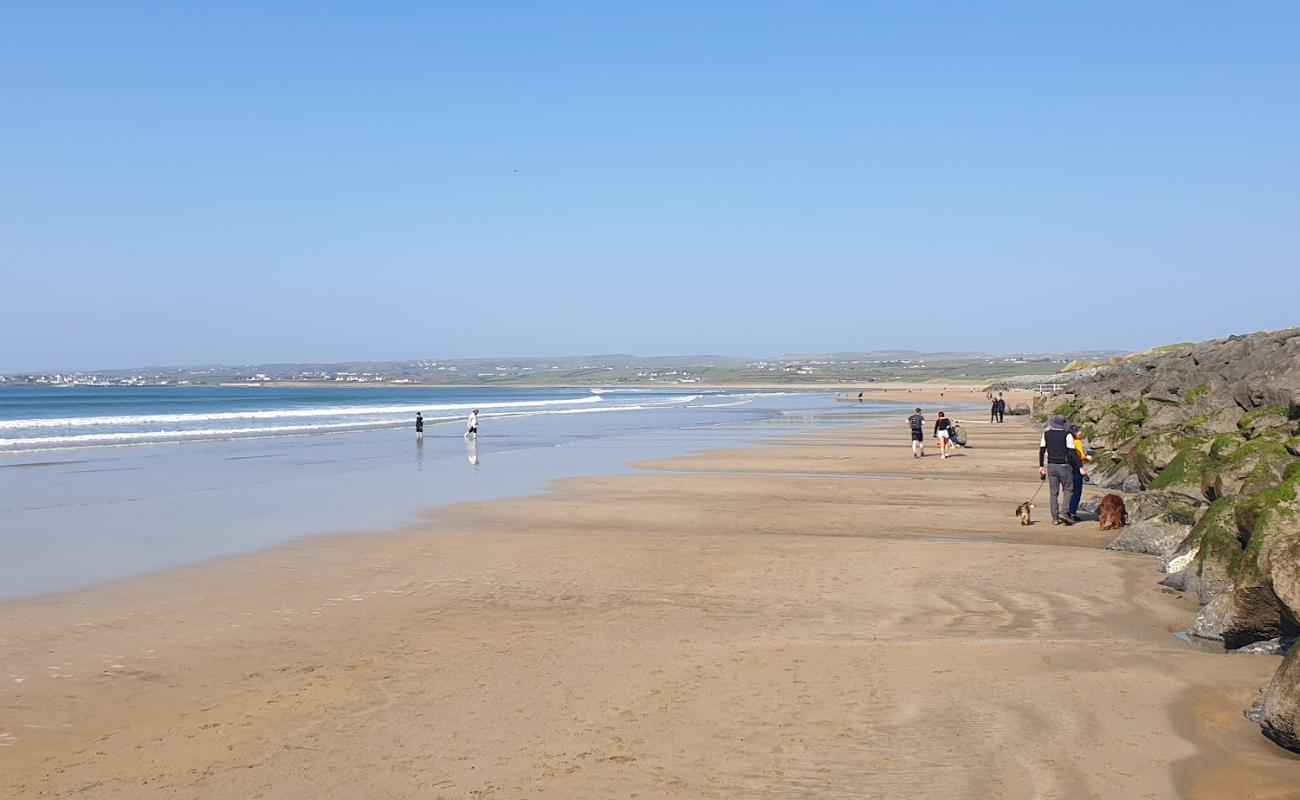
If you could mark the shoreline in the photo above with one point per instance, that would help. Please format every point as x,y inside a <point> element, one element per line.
<point>272,487</point>
<point>812,387</point>
<point>747,602</point>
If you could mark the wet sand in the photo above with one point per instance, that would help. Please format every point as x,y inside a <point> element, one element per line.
<point>822,616</point>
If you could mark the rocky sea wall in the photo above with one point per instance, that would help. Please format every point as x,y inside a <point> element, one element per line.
<point>1204,441</point>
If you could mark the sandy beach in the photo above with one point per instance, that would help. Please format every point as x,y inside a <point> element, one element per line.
<point>815,616</point>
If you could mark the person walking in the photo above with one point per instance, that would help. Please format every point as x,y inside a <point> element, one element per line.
<point>917,423</point>
<point>1056,460</point>
<point>471,424</point>
<point>993,409</point>
<point>943,432</point>
<point>1001,406</point>
<point>1076,496</point>
<point>419,425</point>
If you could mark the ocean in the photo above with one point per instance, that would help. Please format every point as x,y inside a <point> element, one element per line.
<point>99,484</point>
<point>40,418</point>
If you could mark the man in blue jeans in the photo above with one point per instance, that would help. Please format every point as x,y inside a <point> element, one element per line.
<point>1057,460</point>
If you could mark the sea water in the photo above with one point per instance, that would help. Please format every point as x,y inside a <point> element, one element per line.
<point>102,483</point>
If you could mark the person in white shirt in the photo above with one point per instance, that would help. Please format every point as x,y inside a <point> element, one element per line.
<point>471,425</point>
<point>1057,459</point>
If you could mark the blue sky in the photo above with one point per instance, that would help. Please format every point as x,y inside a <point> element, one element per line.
<point>238,182</point>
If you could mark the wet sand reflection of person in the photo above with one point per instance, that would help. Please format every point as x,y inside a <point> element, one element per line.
<point>471,452</point>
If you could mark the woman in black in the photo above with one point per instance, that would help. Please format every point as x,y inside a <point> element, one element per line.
<point>942,433</point>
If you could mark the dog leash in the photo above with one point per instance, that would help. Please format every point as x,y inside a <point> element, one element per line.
<point>1041,483</point>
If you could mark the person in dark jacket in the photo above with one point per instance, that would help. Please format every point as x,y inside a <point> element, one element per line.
<point>1000,406</point>
<point>1056,463</point>
<point>916,423</point>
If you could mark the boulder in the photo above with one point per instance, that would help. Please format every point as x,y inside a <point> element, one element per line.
<point>1154,537</point>
<point>1108,471</point>
<point>1270,422</point>
<point>1171,505</point>
<point>1273,550</point>
<point>1253,614</point>
<point>1185,473</point>
<point>1212,618</point>
<point>1159,523</point>
<point>1279,713</point>
<point>1255,466</point>
<point>1208,553</point>
<point>1153,453</point>
<point>1220,422</point>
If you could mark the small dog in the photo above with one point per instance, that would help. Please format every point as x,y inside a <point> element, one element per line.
<point>1113,514</point>
<point>1023,510</point>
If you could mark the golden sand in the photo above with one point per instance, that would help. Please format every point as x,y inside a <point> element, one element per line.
<point>819,617</point>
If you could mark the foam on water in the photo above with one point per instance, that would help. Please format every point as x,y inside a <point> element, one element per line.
<point>373,422</point>
<point>278,413</point>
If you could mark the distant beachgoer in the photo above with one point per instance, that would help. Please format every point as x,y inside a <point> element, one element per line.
<point>993,410</point>
<point>1056,461</point>
<point>859,397</point>
<point>419,425</point>
<point>1002,406</point>
<point>917,424</point>
<point>942,432</point>
<point>471,424</point>
<point>1076,496</point>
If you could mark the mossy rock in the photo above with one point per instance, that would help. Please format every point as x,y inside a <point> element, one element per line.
<point>1212,422</point>
<point>1109,470</point>
<point>1215,541</point>
<point>1271,422</point>
<point>1166,415</point>
<point>1279,710</point>
<point>1181,514</point>
<point>1195,392</point>
<point>1255,614</point>
<point>1185,472</point>
<point>1248,511</point>
<point>1120,424</point>
<point>1292,445</point>
<point>1039,407</point>
<point>1275,529</point>
<point>1225,444</point>
<point>1070,408</point>
<point>1153,453</point>
<point>1257,465</point>
<point>1278,554</point>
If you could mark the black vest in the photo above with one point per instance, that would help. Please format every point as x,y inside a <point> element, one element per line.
<point>1057,452</point>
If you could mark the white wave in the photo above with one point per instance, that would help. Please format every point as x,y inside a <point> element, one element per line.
<point>282,413</point>
<point>758,394</point>
<point>723,405</point>
<point>168,436</point>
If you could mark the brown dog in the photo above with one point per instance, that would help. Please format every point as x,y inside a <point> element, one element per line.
<point>1112,513</point>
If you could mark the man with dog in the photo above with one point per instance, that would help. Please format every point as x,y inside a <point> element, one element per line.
<point>1057,460</point>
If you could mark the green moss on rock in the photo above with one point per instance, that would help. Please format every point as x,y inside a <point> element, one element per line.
<point>1195,392</point>
<point>1186,471</point>
<point>1270,422</point>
